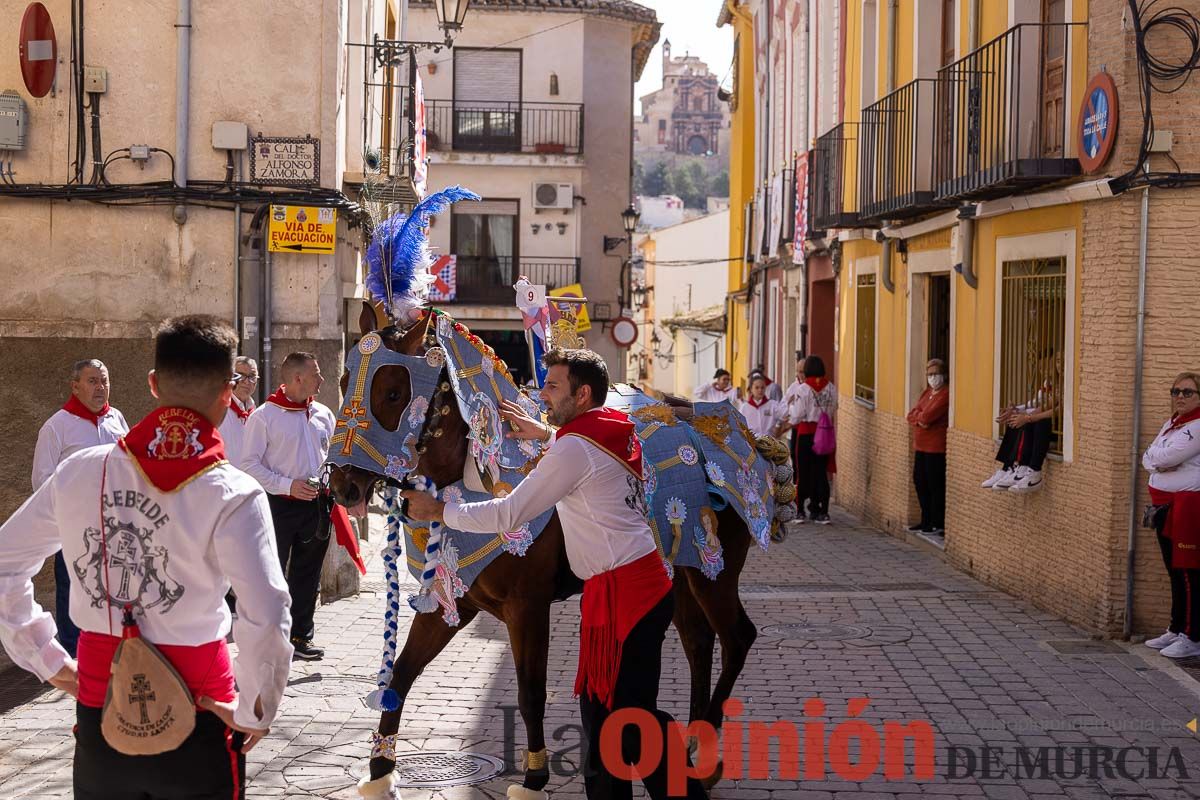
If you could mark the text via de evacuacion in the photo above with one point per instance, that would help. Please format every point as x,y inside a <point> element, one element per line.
<point>302,229</point>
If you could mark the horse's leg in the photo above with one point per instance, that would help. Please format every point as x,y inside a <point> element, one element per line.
<point>528,622</point>
<point>428,635</point>
<point>697,638</point>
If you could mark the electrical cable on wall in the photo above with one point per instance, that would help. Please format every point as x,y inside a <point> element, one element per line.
<point>1156,73</point>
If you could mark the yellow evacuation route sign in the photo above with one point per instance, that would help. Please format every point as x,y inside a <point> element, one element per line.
<point>302,229</point>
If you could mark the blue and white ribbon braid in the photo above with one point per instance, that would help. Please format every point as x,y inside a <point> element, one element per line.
<point>424,601</point>
<point>383,698</point>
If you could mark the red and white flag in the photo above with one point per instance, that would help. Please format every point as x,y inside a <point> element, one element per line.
<point>445,279</point>
<point>801,229</point>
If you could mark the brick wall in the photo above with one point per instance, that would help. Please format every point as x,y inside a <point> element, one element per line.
<point>874,462</point>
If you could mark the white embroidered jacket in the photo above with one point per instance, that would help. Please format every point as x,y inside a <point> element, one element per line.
<point>64,434</point>
<point>173,553</point>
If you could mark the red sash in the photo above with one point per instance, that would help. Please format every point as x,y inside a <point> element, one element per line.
<point>171,446</point>
<point>205,668</point>
<point>242,413</point>
<point>611,431</point>
<point>613,603</point>
<point>344,535</point>
<point>75,406</point>
<point>279,398</point>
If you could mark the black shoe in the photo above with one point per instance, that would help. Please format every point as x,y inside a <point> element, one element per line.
<point>822,519</point>
<point>305,650</point>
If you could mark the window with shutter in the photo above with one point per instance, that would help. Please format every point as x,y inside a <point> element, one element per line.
<point>487,99</point>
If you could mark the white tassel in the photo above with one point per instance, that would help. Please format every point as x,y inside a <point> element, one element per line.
<point>379,789</point>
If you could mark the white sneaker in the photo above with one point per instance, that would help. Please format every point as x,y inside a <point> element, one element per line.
<point>1009,479</point>
<point>1183,647</point>
<point>1031,482</point>
<point>1159,642</point>
<point>996,476</point>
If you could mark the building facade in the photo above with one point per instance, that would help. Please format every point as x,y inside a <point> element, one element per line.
<point>685,116</point>
<point>532,110</point>
<point>951,194</point>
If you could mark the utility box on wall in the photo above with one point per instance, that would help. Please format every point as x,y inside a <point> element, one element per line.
<point>13,121</point>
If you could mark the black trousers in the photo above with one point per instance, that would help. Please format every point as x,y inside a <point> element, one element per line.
<point>302,534</point>
<point>929,476</point>
<point>68,634</point>
<point>637,687</point>
<point>812,476</point>
<point>1026,446</point>
<point>1185,594</point>
<point>209,764</point>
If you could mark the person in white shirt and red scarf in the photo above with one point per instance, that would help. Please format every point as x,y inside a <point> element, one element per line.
<point>233,427</point>
<point>807,399</point>
<point>85,421</point>
<point>1173,461</point>
<point>763,415</point>
<point>159,526</point>
<point>286,442</point>
<point>592,474</point>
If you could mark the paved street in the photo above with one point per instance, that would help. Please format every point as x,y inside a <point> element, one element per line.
<point>843,612</point>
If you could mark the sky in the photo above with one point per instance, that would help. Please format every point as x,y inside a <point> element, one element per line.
<point>691,25</point>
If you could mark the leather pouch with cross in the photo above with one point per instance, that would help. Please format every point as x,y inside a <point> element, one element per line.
<point>149,709</point>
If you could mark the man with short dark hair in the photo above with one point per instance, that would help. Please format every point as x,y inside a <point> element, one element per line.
<point>720,388</point>
<point>160,526</point>
<point>85,421</point>
<point>286,442</point>
<point>592,473</point>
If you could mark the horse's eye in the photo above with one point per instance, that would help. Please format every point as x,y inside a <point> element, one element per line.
<point>393,396</point>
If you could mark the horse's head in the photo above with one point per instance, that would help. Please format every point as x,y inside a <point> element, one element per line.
<point>398,416</point>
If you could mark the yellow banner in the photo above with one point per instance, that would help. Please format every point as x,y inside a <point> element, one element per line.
<point>583,322</point>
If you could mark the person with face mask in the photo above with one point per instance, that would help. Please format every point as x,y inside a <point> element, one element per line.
<point>929,419</point>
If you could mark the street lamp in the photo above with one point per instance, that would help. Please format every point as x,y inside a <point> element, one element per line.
<point>629,221</point>
<point>450,15</point>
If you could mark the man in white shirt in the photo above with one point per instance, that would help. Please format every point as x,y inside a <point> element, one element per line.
<point>592,474</point>
<point>233,427</point>
<point>160,524</point>
<point>284,448</point>
<point>86,420</point>
<point>720,388</point>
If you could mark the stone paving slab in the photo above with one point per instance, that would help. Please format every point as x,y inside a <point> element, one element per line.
<point>843,612</point>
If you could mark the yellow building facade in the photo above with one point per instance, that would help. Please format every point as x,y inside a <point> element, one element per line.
<point>963,229</point>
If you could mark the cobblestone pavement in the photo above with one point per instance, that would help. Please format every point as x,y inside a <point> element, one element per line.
<point>843,612</point>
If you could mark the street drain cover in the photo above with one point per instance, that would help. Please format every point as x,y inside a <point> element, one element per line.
<point>1086,647</point>
<point>428,770</point>
<point>818,631</point>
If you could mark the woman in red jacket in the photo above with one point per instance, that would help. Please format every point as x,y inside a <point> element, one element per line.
<point>929,419</point>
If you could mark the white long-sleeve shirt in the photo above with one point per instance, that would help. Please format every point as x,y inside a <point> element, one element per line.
<point>281,445</point>
<point>184,549</point>
<point>762,419</point>
<point>600,503</point>
<point>1173,458</point>
<point>707,393</point>
<point>233,432</point>
<point>806,405</point>
<point>65,433</point>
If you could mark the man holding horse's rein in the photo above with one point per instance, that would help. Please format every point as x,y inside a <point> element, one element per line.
<point>592,473</point>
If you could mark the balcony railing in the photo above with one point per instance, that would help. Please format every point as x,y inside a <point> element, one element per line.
<point>833,198</point>
<point>489,279</point>
<point>897,154</point>
<point>1002,121</point>
<point>482,126</point>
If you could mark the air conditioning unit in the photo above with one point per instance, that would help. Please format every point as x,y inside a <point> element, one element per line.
<point>553,195</point>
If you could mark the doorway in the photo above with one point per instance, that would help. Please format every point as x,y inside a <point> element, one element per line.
<point>1053,78</point>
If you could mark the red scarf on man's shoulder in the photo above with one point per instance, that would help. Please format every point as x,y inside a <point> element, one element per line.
<point>818,384</point>
<point>173,445</point>
<point>610,430</point>
<point>280,398</point>
<point>75,406</point>
<point>235,405</point>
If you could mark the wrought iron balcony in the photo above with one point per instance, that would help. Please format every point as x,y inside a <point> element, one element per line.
<point>482,126</point>
<point>896,149</point>
<point>1001,117</point>
<point>834,200</point>
<point>489,279</point>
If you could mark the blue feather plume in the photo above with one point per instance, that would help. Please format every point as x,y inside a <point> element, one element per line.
<point>399,251</point>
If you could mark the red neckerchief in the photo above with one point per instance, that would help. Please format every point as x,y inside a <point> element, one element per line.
<point>75,406</point>
<point>173,445</point>
<point>242,413</point>
<point>279,398</point>
<point>817,384</point>
<point>1177,422</point>
<point>759,404</point>
<point>611,431</point>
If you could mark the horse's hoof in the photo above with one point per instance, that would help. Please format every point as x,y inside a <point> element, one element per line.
<point>379,789</point>
<point>521,793</point>
<point>715,778</point>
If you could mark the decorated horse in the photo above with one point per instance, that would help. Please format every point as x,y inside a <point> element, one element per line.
<point>421,408</point>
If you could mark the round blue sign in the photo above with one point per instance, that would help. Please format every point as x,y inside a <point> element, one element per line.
<point>1097,128</point>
